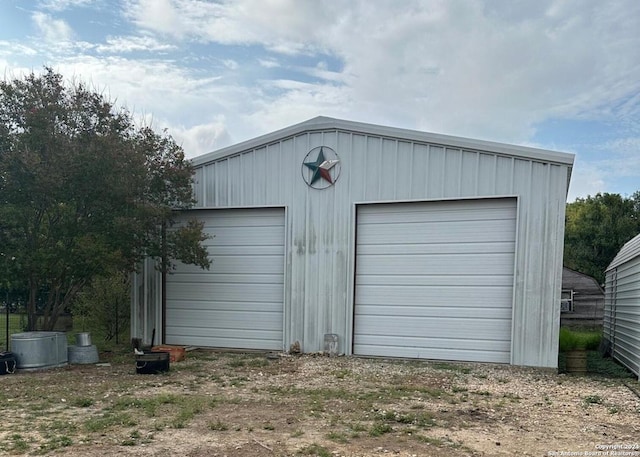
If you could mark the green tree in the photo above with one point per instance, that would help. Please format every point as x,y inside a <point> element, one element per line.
<point>83,191</point>
<point>596,228</point>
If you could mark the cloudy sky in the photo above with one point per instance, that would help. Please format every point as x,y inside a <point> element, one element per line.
<point>556,74</point>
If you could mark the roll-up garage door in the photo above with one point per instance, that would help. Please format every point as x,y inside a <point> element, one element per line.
<point>435,279</point>
<point>238,303</point>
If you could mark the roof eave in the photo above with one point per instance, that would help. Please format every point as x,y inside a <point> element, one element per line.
<point>327,123</point>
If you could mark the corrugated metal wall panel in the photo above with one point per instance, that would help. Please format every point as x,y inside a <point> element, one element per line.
<point>320,231</point>
<point>622,307</point>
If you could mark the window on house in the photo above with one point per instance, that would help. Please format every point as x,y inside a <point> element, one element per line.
<point>566,301</point>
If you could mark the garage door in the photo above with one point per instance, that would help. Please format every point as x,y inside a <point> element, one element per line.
<point>434,280</point>
<point>238,303</point>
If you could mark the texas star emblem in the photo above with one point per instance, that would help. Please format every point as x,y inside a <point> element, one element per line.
<point>324,170</point>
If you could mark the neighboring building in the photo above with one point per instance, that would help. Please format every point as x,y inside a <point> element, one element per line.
<point>401,243</point>
<point>622,306</point>
<point>582,300</point>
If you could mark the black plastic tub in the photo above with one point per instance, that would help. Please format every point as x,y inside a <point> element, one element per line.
<point>152,362</point>
<point>7,363</point>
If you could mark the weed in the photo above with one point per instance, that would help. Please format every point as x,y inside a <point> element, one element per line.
<point>56,442</point>
<point>235,363</point>
<point>107,421</point>
<point>447,366</point>
<point>379,429</point>
<point>132,440</point>
<point>316,450</point>
<point>341,374</point>
<point>593,400</point>
<point>423,419</point>
<point>268,426</point>
<point>19,444</point>
<point>429,440</point>
<point>513,397</point>
<point>456,389</point>
<point>357,427</point>
<point>257,362</point>
<point>482,393</point>
<point>218,426</point>
<point>297,434</point>
<point>338,437</point>
<point>82,402</point>
<point>58,426</point>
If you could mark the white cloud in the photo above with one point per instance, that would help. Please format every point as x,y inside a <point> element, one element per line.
<point>126,44</point>
<point>269,63</point>
<point>284,26</point>
<point>52,30</point>
<point>230,64</point>
<point>586,180</point>
<point>8,48</point>
<point>202,138</point>
<point>61,5</point>
<point>472,68</point>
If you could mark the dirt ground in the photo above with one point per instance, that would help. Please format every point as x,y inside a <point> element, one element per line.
<point>230,404</point>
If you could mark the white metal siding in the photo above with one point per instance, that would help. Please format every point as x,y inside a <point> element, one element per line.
<point>622,306</point>
<point>238,303</point>
<point>435,280</point>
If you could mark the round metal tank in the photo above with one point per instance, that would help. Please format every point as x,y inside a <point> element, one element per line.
<point>38,350</point>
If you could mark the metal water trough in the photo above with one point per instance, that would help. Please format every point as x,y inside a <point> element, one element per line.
<point>39,350</point>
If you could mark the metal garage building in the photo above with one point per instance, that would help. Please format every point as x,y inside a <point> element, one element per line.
<point>402,243</point>
<point>622,306</point>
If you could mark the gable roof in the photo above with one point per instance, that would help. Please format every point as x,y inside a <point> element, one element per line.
<point>329,123</point>
<point>630,250</point>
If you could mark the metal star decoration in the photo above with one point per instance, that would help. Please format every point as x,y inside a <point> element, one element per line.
<point>320,168</point>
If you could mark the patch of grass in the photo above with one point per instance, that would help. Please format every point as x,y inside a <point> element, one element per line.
<point>379,429</point>
<point>357,427</point>
<point>107,421</point>
<point>316,450</point>
<point>513,397</point>
<point>132,440</point>
<point>338,437</point>
<point>576,339</point>
<point>448,366</point>
<point>482,393</point>
<point>58,426</point>
<point>297,434</point>
<point>341,374</point>
<point>268,426</point>
<point>18,444</point>
<point>182,408</point>
<point>606,366</point>
<point>55,442</point>
<point>423,419</point>
<point>82,402</point>
<point>218,426</point>
<point>430,440</point>
<point>236,363</point>
<point>593,400</point>
<point>257,362</point>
